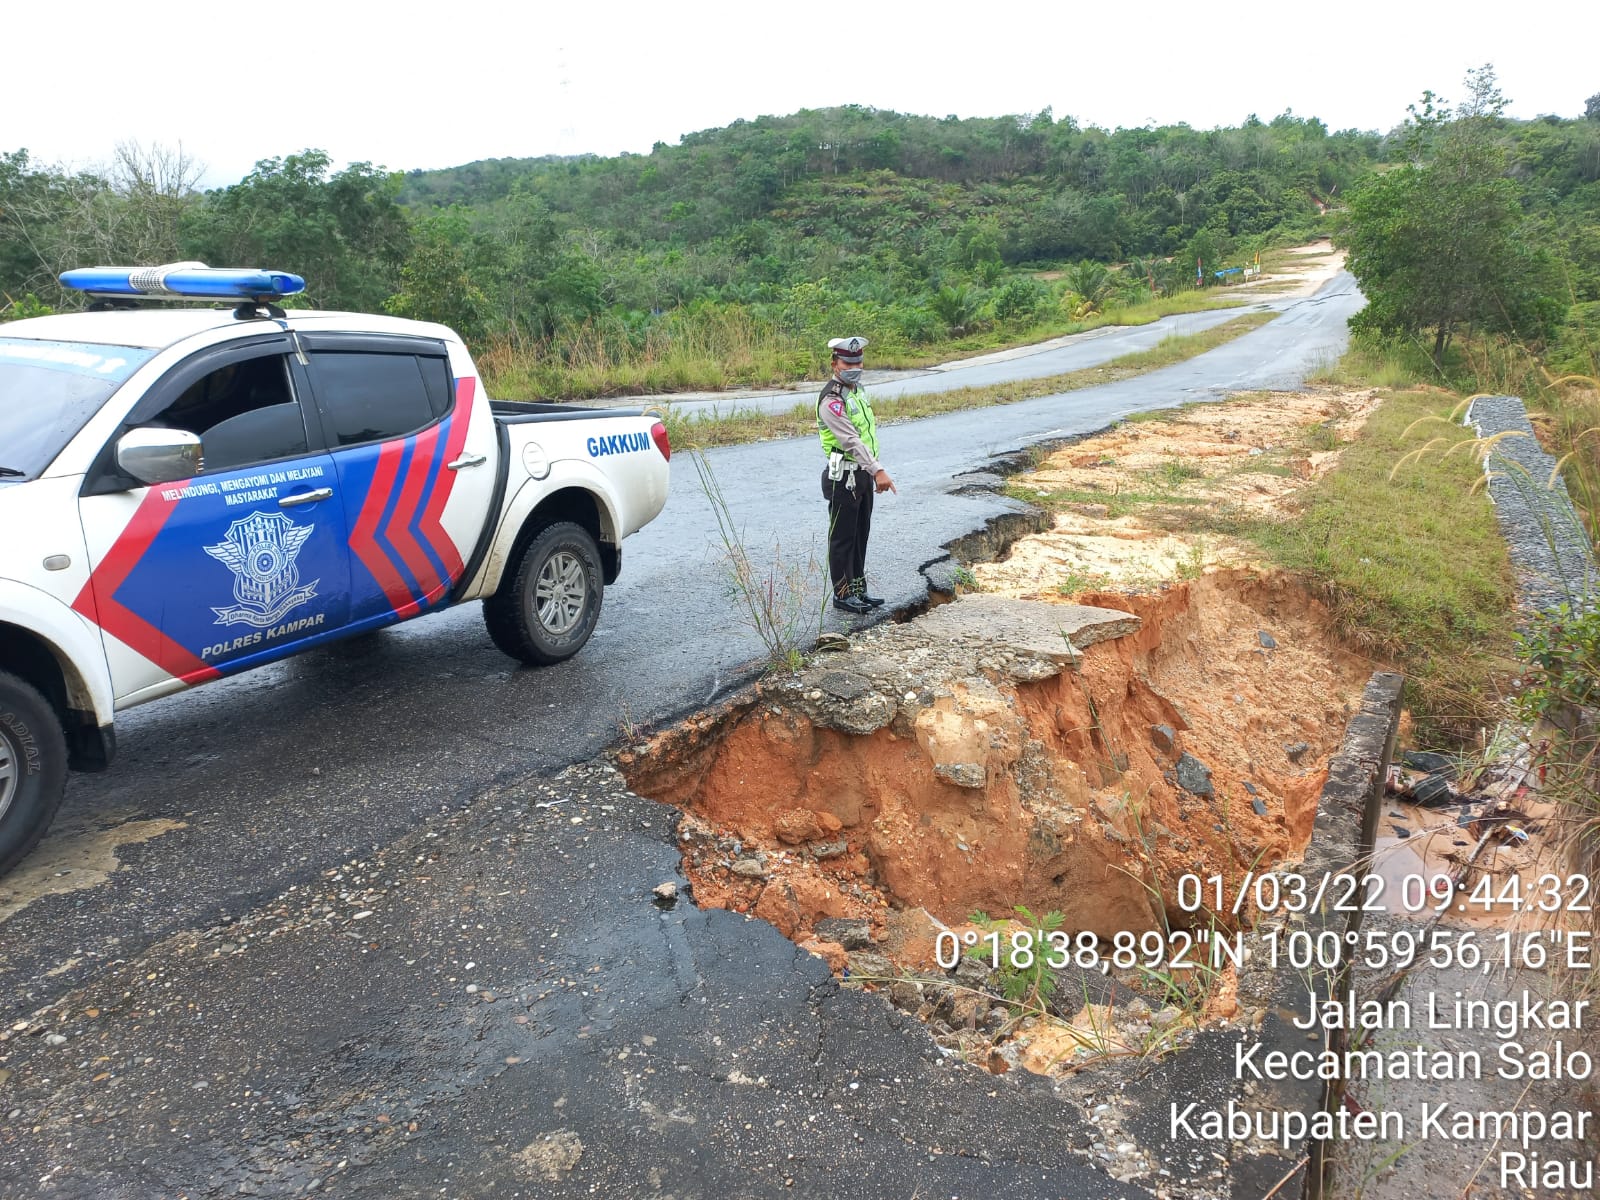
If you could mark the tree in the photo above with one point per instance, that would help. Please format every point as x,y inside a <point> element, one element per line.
<point>1090,281</point>
<point>343,232</point>
<point>155,185</point>
<point>1441,245</point>
<point>1591,107</point>
<point>439,281</point>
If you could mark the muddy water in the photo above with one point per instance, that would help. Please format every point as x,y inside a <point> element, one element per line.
<point>75,857</point>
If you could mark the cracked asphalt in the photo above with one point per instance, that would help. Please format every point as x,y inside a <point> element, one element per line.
<point>425,1021</point>
<point>237,1009</point>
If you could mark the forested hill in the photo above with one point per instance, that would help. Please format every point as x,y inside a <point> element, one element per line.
<point>732,256</point>
<point>863,180</point>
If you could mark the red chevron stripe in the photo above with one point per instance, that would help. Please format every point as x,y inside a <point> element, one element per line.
<point>362,539</point>
<point>398,528</point>
<point>430,525</point>
<point>98,599</point>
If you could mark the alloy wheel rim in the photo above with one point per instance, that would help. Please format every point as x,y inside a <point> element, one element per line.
<point>561,592</point>
<point>10,772</point>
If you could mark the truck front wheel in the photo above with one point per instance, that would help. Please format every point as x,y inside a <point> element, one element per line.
<point>33,768</point>
<point>549,601</point>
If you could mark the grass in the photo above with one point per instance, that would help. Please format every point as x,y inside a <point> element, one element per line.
<point>1410,562</point>
<point>716,347</point>
<point>1565,410</point>
<point>774,598</point>
<point>749,425</point>
<point>1432,589</point>
<point>1403,547</point>
<point>1387,364</point>
<point>1174,474</point>
<point>1116,503</point>
<point>1074,582</point>
<point>690,351</point>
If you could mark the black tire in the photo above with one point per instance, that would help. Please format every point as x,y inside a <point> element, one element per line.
<point>549,600</point>
<point>33,768</point>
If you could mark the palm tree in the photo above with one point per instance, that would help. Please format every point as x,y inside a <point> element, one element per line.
<point>957,307</point>
<point>1092,281</point>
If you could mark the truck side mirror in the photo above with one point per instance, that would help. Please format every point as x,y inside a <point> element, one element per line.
<point>159,455</point>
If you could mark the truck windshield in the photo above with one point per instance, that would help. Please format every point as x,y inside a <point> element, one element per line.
<point>48,390</point>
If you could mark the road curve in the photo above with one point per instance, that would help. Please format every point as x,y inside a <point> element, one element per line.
<point>423,747</point>
<point>278,773</point>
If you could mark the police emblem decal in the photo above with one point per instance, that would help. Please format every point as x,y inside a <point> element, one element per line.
<point>260,551</point>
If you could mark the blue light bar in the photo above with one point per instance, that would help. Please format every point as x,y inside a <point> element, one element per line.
<point>194,280</point>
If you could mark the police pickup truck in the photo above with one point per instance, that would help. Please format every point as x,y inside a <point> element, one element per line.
<point>186,493</point>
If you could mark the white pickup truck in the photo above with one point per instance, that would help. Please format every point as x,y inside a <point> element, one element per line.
<point>186,493</point>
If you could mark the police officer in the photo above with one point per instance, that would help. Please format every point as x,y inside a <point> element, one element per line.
<point>849,433</point>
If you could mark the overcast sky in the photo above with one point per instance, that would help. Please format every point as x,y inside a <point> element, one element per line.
<point>406,85</point>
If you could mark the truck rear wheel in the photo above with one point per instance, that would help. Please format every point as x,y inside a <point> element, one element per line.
<point>549,601</point>
<point>33,768</point>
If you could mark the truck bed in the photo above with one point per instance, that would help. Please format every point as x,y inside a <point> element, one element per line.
<point>518,412</point>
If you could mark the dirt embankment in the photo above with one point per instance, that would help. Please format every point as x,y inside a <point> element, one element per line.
<point>1182,745</point>
<point>1127,503</point>
<point>1121,701</point>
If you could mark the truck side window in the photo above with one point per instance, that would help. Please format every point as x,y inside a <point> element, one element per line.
<point>244,412</point>
<point>371,397</point>
<point>436,374</point>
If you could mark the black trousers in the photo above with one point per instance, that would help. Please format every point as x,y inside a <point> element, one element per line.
<point>849,523</point>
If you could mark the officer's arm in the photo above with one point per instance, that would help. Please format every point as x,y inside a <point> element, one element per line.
<point>831,412</point>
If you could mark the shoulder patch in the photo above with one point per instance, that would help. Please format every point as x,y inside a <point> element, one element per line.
<point>836,407</point>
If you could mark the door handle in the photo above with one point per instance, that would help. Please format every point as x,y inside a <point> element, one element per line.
<point>467,460</point>
<point>306,498</point>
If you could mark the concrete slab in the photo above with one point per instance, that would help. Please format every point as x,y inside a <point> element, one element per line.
<point>1055,632</point>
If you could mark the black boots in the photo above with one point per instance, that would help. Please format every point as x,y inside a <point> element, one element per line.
<point>856,599</point>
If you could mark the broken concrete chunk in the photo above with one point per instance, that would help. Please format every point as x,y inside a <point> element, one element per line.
<point>1031,670</point>
<point>1028,628</point>
<point>1163,738</point>
<point>849,933</point>
<point>1193,775</point>
<point>865,714</point>
<point>1296,751</point>
<point>844,685</point>
<point>828,849</point>
<point>750,868</point>
<point>966,1010</point>
<point>871,964</point>
<point>970,971</point>
<point>962,774</point>
<point>906,995</point>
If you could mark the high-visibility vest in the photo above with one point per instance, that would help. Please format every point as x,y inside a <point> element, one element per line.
<point>858,409</point>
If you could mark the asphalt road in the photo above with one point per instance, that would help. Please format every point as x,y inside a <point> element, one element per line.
<point>272,781</point>
<point>1055,357</point>
<point>1072,354</point>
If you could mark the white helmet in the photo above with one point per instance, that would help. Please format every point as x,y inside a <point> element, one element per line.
<point>849,348</point>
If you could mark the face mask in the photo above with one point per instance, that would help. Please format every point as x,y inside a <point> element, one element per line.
<point>851,377</point>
